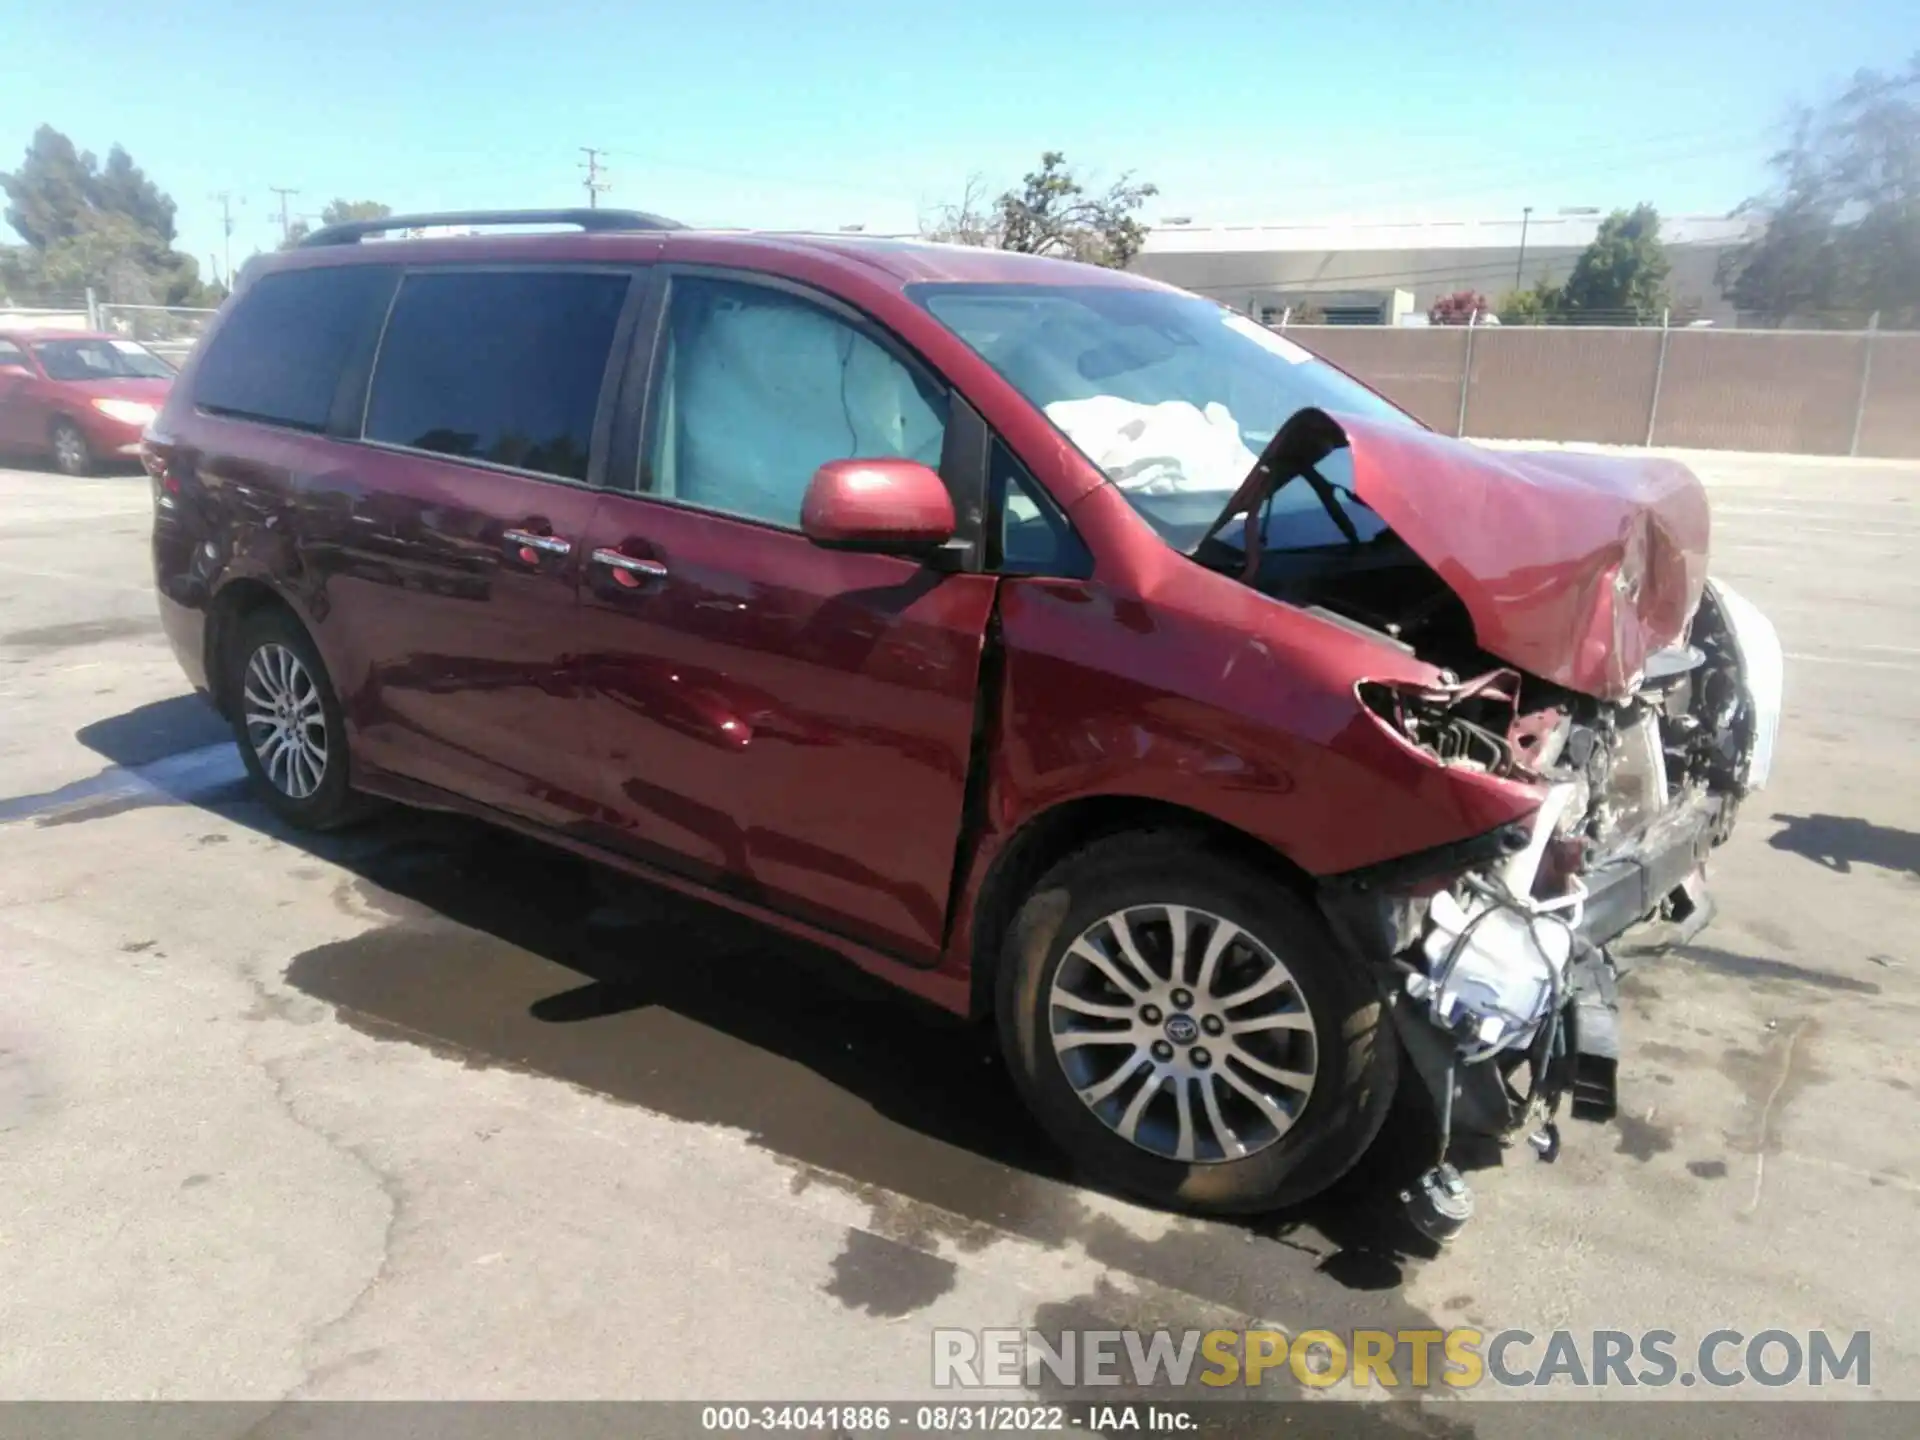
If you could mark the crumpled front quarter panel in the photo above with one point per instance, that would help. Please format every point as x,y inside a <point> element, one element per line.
<point>1573,567</point>
<point>1220,700</point>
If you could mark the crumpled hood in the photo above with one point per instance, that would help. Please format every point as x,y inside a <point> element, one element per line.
<point>1573,567</point>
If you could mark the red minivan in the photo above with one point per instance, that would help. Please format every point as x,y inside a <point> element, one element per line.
<point>79,399</point>
<point>1057,645</point>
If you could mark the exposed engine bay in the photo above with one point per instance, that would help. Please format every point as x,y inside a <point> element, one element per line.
<point>1514,961</point>
<point>1502,959</point>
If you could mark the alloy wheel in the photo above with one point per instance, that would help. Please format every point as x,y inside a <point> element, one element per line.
<point>1183,1033</point>
<point>69,450</point>
<point>286,721</point>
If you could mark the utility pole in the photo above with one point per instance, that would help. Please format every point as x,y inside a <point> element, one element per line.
<point>286,221</point>
<point>225,197</point>
<point>1526,214</point>
<point>594,169</point>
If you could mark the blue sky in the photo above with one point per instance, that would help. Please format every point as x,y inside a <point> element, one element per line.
<point>750,112</point>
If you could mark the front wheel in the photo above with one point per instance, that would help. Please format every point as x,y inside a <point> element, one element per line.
<point>71,453</point>
<point>1188,1030</point>
<point>288,723</point>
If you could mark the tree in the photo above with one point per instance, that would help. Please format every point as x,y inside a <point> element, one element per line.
<point>1051,213</point>
<point>122,188</point>
<point>338,212</point>
<point>973,220</point>
<point>1538,306</point>
<point>1458,308</point>
<point>1623,273</point>
<point>111,255</point>
<point>1840,230</point>
<point>47,195</point>
<point>341,211</point>
<point>109,229</point>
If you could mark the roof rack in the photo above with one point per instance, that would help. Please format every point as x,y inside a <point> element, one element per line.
<point>351,232</point>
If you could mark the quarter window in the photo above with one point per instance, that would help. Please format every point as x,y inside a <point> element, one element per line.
<point>1035,537</point>
<point>279,356</point>
<point>500,366</point>
<point>759,388</point>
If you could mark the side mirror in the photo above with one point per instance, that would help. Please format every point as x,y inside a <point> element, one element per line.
<point>896,507</point>
<point>12,369</point>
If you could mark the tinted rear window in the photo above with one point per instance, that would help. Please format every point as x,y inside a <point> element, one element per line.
<point>279,356</point>
<point>504,367</point>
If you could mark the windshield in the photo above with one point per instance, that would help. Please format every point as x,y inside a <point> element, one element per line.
<point>1173,396</point>
<point>101,360</point>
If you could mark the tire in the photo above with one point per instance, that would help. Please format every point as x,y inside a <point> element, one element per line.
<point>69,450</point>
<point>278,686</point>
<point>1344,1036</point>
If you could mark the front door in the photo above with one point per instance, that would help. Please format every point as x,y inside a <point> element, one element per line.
<point>790,722</point>
<point>457,554</point>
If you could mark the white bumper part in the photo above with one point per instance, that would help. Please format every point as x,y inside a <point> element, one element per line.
<point>1496,964</point>
<point>1763,673</point>
<point>1503,977</point>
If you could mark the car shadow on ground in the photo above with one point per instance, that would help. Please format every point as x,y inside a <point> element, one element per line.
<point>103,467</point>
<point>502,951</point>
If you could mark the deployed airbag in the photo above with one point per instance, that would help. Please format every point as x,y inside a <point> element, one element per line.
<point>1157,449</point>
<point>767,389</point>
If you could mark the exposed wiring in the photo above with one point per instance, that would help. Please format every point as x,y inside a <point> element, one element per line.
<point>1499,898</point>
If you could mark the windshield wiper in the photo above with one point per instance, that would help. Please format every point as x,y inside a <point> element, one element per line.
<point>1308,437</point>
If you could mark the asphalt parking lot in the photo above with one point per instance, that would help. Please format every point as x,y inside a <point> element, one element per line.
<point>425,1110</point>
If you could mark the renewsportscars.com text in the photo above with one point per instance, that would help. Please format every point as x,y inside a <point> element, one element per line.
<point>1461,1358</point>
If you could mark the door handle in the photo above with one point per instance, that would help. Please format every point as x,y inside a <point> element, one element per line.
<point>627,570</point>
<point>545,544</point>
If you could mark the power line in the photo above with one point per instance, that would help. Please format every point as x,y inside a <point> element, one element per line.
<point>593,182</point>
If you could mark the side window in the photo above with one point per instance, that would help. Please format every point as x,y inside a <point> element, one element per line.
<point>1034,536</point>
<point>501,366</point>
<point>758,388</point>
<point>12,354</point>
<point>279,356</point>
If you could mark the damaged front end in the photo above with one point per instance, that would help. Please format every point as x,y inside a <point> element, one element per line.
<point>1505,954</point>
<point>1575,647</point>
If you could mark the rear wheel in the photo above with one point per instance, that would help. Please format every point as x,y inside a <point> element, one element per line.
<point>1188,1029</point>
<point>71,453</point>
<point>288,723</point>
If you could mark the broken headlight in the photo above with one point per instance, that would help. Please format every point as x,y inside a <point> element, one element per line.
<point>1496,955</point>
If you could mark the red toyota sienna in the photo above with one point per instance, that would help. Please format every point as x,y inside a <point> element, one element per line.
<point>1057,645</point>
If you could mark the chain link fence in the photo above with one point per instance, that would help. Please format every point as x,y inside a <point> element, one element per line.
<point>167,330</point>
<point>1810,392</point>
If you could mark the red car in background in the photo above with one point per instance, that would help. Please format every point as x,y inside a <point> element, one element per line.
<point>78,398</point>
